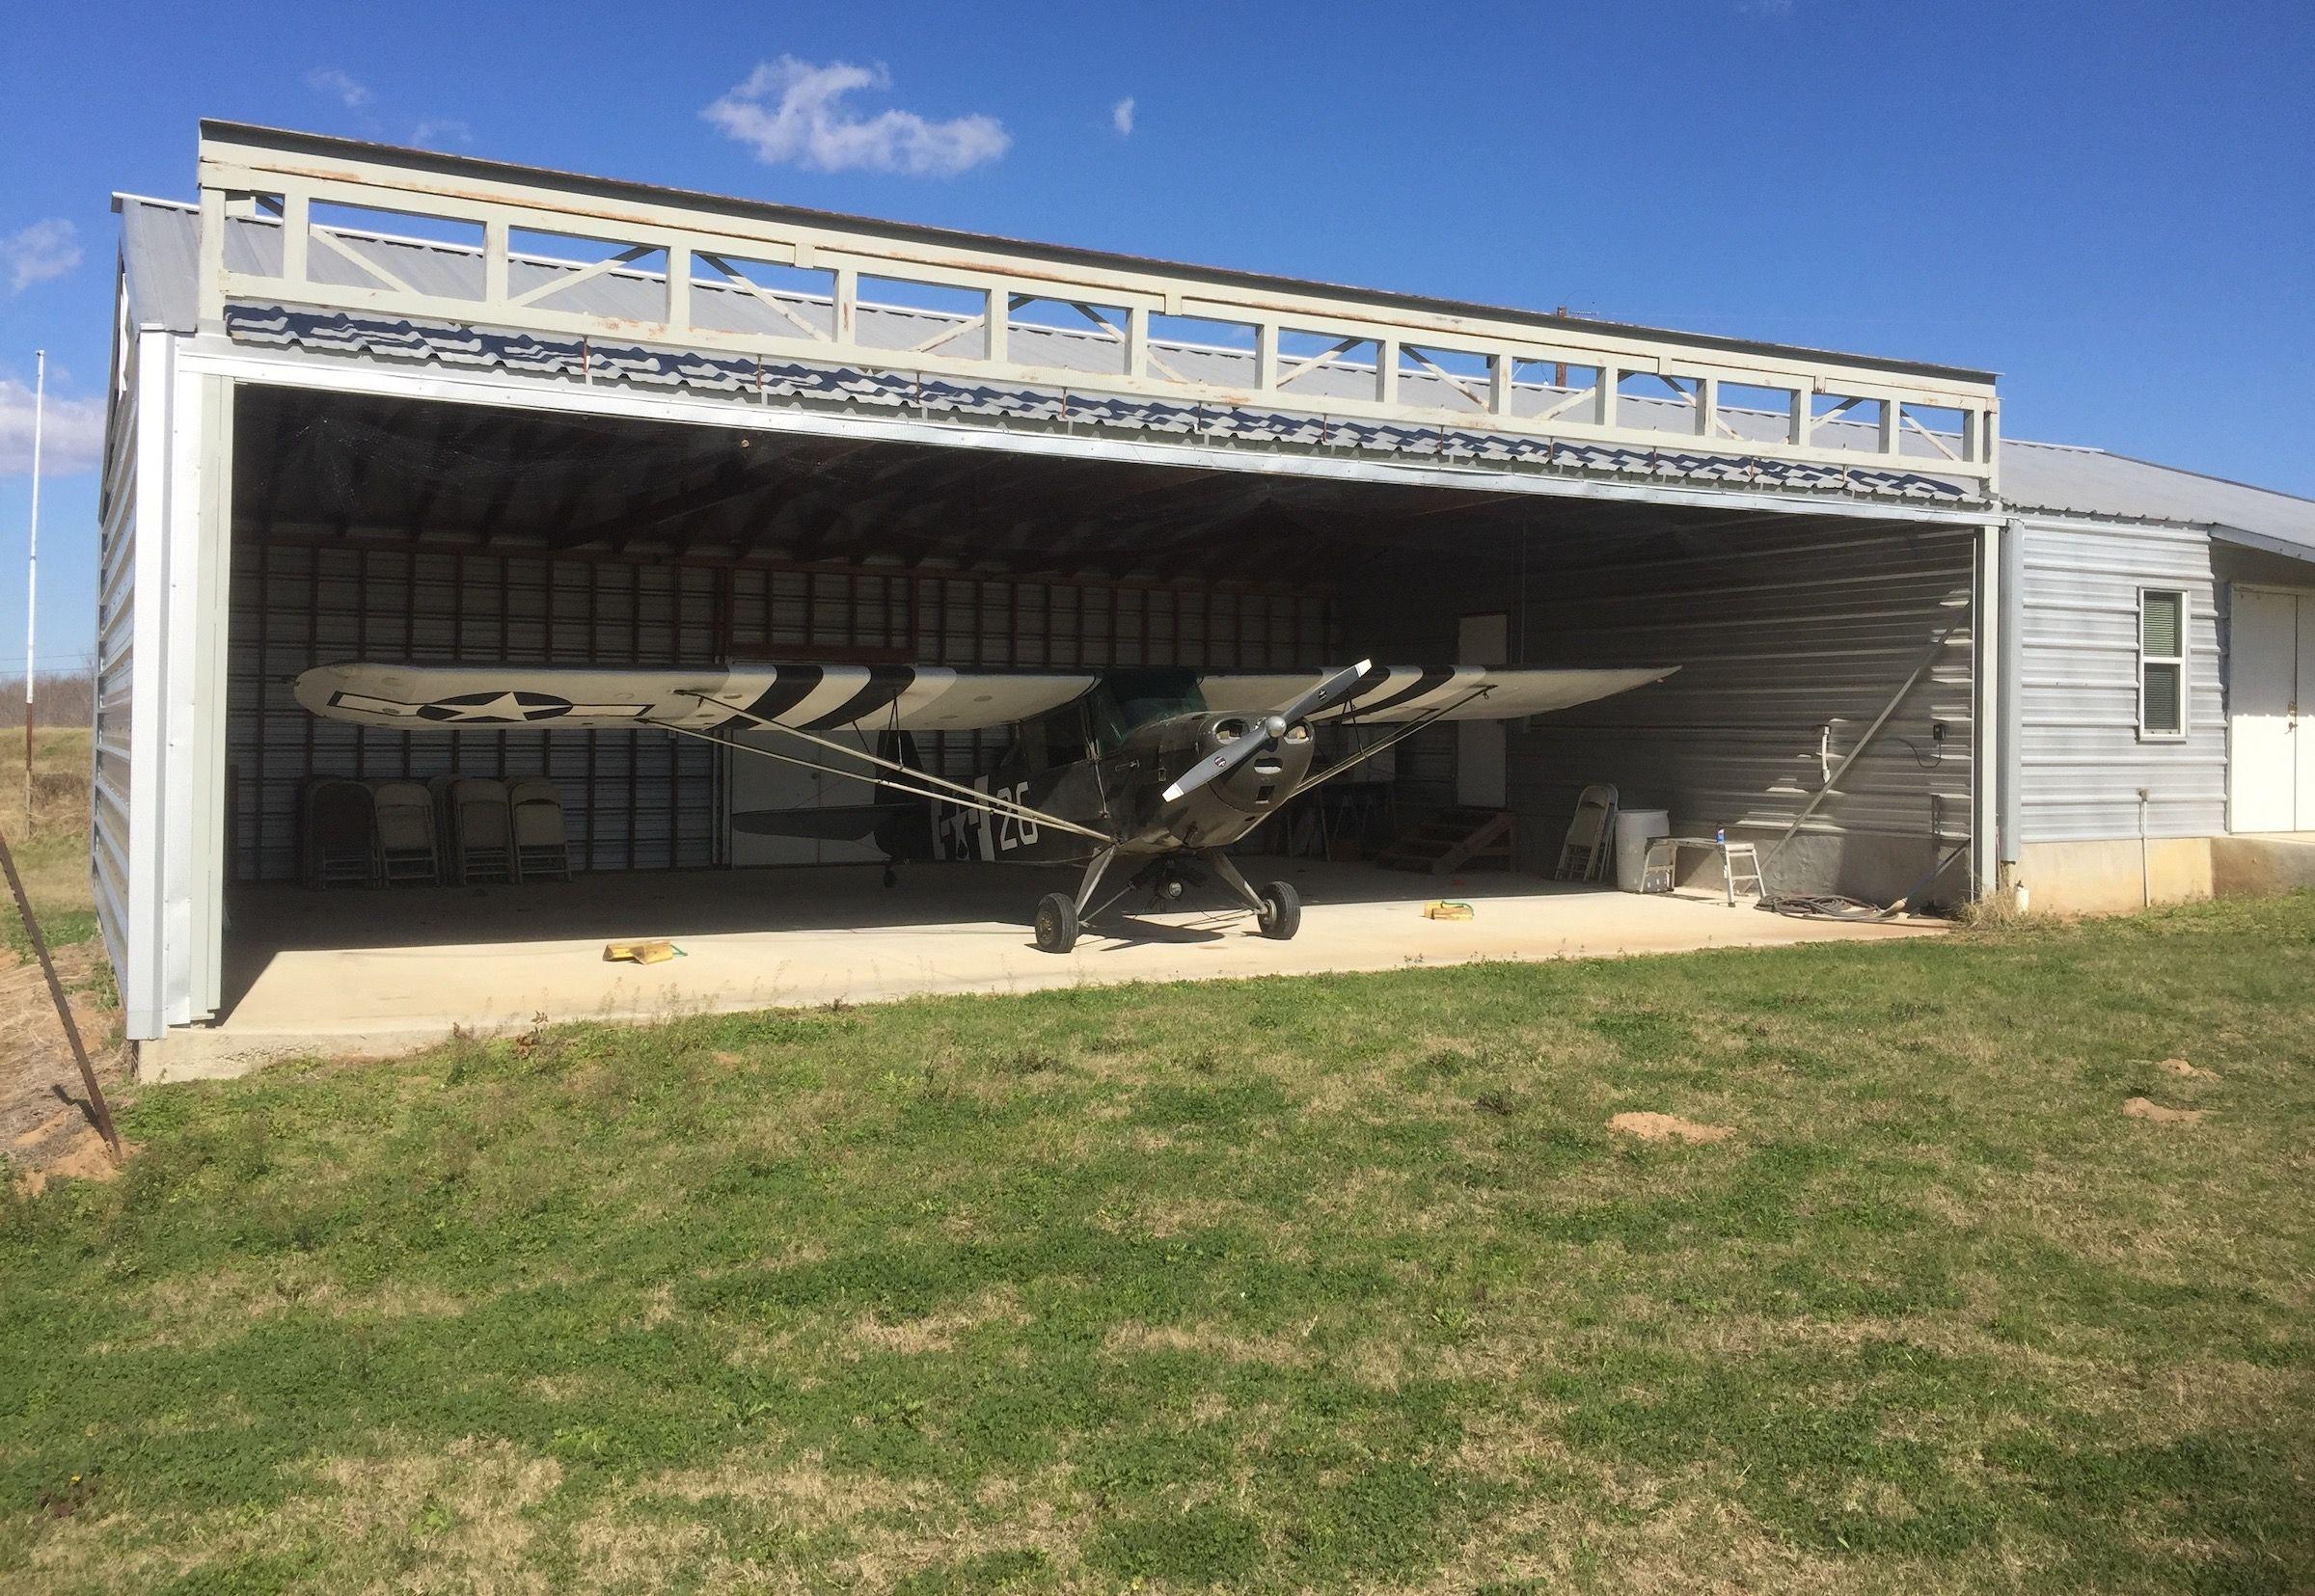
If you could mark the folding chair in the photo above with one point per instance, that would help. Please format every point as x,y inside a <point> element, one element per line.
<point>542,849</point>
<point>482,830</point>
<point>339,843</point>
<point>409,847</point>
<point>1591,837</point>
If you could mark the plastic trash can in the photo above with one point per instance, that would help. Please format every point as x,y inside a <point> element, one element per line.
<point>1635,829</point>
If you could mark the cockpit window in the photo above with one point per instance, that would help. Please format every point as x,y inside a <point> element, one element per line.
<point>1053,740</point>
<point>1126,700</point>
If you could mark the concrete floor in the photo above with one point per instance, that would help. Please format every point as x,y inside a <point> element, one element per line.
<point>373,973</point>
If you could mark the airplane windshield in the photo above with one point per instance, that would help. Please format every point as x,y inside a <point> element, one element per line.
<point>1127,700</point>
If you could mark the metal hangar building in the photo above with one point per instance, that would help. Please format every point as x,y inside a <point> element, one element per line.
<point>370,402</point>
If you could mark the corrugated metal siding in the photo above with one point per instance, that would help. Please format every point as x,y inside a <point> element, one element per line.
<point>109,837</point>
<point>2080,757</point>
<point>635,802</point>
<point>1778,635</point>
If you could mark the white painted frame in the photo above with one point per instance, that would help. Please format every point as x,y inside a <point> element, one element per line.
<point>249,172</point>
<point>2181,661</point>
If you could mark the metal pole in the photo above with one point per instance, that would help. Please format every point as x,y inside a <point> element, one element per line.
<point>32,564</point>
<point>2145,856</point>
<point>1833,783</point>
<point>100,1111</point>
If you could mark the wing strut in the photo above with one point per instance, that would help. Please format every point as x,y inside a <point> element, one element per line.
<point>956,793</point>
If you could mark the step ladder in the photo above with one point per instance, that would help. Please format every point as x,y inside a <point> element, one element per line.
<point>1739,865</point>
<point>1453,838</point>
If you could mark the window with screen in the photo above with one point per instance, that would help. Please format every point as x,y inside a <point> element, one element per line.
<point>2162,662</point>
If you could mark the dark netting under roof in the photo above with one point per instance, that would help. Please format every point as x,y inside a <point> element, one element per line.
<point>757,380</point>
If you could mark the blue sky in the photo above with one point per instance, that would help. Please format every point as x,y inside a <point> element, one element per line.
<point>2114,205</point>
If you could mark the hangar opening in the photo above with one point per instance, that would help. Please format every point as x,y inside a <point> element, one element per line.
<point>426,531</point>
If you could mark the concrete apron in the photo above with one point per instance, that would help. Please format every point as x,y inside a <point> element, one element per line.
<point>372,974</point>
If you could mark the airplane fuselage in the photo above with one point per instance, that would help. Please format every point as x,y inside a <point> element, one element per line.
<point>1122,792</point>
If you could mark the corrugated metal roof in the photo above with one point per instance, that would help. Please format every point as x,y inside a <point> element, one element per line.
<point>159,258</point>
<point>750,379</point>
<point>2090,482</point>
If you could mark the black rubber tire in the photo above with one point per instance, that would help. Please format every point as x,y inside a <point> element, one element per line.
<point>1281,911</point>
<point>1056,922</point>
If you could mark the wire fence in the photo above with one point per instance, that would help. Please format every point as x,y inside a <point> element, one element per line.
<point>59,699</point>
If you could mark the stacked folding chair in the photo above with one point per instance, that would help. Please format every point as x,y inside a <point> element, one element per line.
<point>542,850</point>
<point>409,848</point>
<point>479,827</point>
<point>1591,839</point>
<point>339,844</point>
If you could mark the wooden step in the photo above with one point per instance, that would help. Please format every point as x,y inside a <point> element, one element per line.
<point>1447,841</point>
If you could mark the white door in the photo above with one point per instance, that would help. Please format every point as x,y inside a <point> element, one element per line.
<point>1479,745</point>
<point>2271,668</point>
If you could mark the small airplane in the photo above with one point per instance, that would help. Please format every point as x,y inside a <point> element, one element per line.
<point>1156,769</point>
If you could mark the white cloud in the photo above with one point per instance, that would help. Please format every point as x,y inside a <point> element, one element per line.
<point>1121,117</point>
<point>439,132</point>
<point>340,87</point>
<point>73,436</point>
<point>38,252</point>
<point>792,111</point>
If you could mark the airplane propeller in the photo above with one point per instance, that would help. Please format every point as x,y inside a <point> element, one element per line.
<point>1268,730</point>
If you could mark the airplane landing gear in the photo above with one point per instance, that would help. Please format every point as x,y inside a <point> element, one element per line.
<point>1277,908</point>
<point>1281,913</point>
<point>1060,916</point>
<point>1056,922</point>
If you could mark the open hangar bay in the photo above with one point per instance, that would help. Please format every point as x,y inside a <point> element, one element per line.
<point>391,405</point>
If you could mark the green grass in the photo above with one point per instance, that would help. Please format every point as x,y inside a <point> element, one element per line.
<point>51,847</point>
<point>1284,1284</point>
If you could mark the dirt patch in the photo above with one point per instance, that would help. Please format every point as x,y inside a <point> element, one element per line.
<point>43,1127</point>
<point>2184,1070</point>
<point>2139,1108</point>
<point>76,1153</point>
<point>1667,1127</point>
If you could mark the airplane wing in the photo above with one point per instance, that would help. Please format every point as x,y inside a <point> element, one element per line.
<point>1389,693</point>
<point>809,698</point>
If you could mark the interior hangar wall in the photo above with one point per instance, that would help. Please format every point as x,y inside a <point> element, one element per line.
<point>652,801</point>
<point>1790,639</point>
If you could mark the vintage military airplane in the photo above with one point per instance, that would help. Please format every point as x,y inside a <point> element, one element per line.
<point>1158,769</point>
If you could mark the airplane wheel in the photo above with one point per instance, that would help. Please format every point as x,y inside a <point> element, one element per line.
<point>1056,921</point>
<point>1281,911</point>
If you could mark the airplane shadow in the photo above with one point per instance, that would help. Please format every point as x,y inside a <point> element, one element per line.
<point>1123,931</point>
